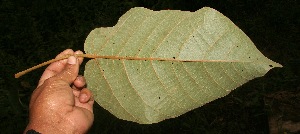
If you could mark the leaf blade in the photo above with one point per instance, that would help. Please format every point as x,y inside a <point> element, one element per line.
<point>181,61</point>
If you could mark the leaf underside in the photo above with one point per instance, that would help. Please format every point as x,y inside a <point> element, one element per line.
<point>169,62</point>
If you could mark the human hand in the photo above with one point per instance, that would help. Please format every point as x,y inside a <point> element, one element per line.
<point>61,103</point>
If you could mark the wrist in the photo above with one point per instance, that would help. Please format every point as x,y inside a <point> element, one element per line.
<point>51,128</point>
<point>31,131</point>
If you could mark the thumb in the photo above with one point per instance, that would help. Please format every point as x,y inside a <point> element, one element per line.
<point>70,72</point>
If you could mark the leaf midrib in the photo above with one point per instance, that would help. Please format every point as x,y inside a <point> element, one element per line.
<point>151,59</point>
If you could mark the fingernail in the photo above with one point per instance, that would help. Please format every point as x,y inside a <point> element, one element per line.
<point>78,52</point>
<point>72,60</point>
<point>82,97</point>
<point>79,78</point>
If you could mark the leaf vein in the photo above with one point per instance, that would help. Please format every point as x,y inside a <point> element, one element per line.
<point>170,31</point>
<point>99,66</point>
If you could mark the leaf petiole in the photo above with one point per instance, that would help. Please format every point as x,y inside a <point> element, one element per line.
<point>19,74</point>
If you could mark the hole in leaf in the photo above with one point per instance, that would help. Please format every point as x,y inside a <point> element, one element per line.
<point>270,65</point>
<point>172,63</point>
<point>242,70</point>
<point>237,46</point>
<point>158,97</point>
<point>173,57</point>
<point>249,57</point>
<point>103,70</point>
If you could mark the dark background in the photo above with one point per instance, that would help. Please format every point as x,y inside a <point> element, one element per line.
<point>37,30</point>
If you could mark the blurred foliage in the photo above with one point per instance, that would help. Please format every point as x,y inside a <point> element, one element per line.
<point>36,31</point>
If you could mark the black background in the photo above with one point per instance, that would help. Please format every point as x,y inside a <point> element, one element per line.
<point>37,30</point>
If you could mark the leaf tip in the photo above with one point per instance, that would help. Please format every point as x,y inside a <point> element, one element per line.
<point>275,65</point>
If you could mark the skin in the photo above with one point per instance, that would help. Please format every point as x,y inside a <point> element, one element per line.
<point>61,103</point>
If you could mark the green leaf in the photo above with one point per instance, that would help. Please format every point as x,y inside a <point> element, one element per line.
<point>162,64</point>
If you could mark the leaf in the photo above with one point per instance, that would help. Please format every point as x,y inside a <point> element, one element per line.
<point>162,64</point>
